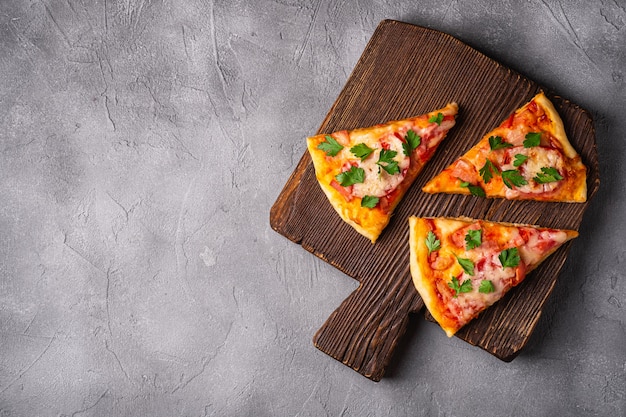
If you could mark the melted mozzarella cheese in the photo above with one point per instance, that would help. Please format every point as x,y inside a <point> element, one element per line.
<point>540,241</point>
<point>516,134</point>
<point>538,157</point>
<point>489,268</point>
<point>377,181</point>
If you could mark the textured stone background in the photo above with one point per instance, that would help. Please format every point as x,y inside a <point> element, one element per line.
<point>142,144</point>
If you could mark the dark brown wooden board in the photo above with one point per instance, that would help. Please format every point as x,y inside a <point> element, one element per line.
<point>406,70</point>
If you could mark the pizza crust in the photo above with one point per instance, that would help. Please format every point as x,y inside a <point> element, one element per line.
<point>423,278</point>
<point>558,130</point>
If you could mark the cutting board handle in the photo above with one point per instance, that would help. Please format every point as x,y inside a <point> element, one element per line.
<point>365,329</point>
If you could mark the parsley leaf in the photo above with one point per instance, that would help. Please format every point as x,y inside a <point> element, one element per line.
<point>473,239</point>
<point>547,175</point>
<point>488,170</point>
<point>512,177</point>
<point>392,168</point>
<point>436,119</point>
<point>361,151</point>
<point>432,243</point>
<point>369,201</point>
<point>465,286</point>
<point>466,264</point>
<point>519,159</point>
<point>386,157</point>
<point>353,176</point>
<point>496,142</point>
<point>330,146</point>
<point>413,140</point>
<point>532,139</point>
<point>406,149</point>
<point>486,286</point>
<point>473,189</point>
<point>509,257</point>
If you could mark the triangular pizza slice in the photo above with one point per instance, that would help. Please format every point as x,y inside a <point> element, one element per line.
<point>365,172</point>
<point>461,266</point>
<point>527,157</point>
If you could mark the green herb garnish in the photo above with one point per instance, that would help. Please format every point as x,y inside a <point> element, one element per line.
<point>488,170</point>
<point>532,139</point>
<point>509,258</point>
<point>512,177</point>
<point>547,174</point>
<point>361,151</point>
<point>413,140</point>
<point>436,119</point>
<point>432,243</point>
<point>519,159</point>
<point>350,177</point>
<point>466,264</point>
<point>473,189</point>
<point>496,142</point>
<point>390,165</point>
<point>465,286</point>
<point>473,239</point>
<point>486,286</point>
<point>330,146</point>
<point>369,201</point>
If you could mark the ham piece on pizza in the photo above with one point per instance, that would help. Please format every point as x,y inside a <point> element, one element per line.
<point>365,172</point>
<point>527,157</point>
<point>462,266</point>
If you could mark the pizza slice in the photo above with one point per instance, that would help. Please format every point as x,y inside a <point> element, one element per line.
<point>365,172</point>
<point>527,157</point>
<point>461,266</point>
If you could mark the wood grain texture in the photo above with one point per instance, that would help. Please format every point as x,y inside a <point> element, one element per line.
<point>406,70</point>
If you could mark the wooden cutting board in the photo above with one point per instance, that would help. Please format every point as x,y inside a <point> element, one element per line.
<point>406,70</point>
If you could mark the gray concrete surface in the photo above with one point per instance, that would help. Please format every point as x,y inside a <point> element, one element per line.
<point>142,144</point>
